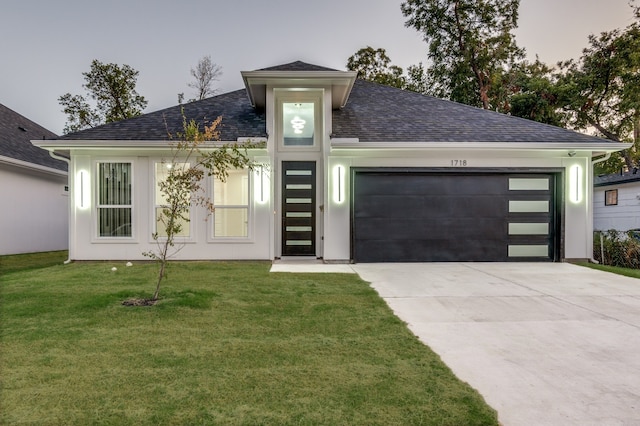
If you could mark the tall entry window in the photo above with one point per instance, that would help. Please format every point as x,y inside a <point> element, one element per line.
<point>231,203</point>
<point>298,123</point>
<point>114,199</point>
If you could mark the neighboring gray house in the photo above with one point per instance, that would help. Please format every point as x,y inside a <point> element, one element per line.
<point>616,201</point>
<point>353,172</point>
<point>33,189</point>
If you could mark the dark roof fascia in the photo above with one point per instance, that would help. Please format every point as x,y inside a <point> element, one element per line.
<point>616,179</point>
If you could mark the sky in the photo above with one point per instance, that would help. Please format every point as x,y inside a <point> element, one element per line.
<point>46,45</point>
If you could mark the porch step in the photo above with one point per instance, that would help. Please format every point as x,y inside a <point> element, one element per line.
<point>303,264</point>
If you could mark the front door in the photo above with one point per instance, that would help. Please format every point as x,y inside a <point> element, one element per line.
<point>298,208</point>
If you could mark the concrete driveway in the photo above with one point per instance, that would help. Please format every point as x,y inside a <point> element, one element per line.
<point>544,343</point>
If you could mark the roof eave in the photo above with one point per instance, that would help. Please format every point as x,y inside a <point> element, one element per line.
<point>31,166</point>
<point>341,83</point>
<point>65,146</point>
<point>595,147</point>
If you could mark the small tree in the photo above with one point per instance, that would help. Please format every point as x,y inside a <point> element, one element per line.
<point>183,188</point>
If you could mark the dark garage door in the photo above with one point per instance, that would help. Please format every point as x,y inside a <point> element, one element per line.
<point>417,216</point>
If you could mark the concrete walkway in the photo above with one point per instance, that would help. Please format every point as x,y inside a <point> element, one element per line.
<point>545,344</point>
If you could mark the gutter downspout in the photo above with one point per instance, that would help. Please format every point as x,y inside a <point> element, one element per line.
<point>68,161</point>
<point>593,163</point>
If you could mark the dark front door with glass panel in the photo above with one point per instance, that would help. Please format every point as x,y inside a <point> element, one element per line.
<point>298,208</point>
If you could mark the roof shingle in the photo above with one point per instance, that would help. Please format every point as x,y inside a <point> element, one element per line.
<point>617,178</point>
<point>378,113</point>
<point>16,134</point>
<point>239,119</point>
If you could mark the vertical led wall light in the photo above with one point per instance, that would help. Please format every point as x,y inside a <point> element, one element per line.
<point>338,184</point>
<point>261,185</point>
<point>82,190</point>
<point>575,183</point>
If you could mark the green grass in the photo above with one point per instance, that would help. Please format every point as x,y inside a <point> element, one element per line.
<point>23,262</point>
<point>229,343</point>
<point>627,272</point>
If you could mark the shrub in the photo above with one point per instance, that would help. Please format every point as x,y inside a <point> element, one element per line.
<point>617,248</point>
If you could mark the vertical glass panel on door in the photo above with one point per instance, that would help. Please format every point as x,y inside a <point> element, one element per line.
<point>298,123</point>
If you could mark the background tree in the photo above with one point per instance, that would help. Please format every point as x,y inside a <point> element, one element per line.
<point>531,92</point>
<point>113,88</point>
<point>204,74</point>
<point>470,45</point>
<point>183,189</point>
<point>374,65</point>
<point>601,91</point>
<point>417,79</point>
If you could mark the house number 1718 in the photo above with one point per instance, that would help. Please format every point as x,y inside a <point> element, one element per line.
<point>458,163</point>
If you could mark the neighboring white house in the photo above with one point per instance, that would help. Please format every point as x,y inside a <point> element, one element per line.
<point>616,201</point>
<point>353,171</point>
<point>33,189</point>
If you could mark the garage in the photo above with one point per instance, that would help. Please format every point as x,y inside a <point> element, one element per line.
<point>416,215</point>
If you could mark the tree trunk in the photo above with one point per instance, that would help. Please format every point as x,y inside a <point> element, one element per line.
<point>163,262</point>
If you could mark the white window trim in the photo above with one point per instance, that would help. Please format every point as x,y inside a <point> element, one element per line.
<point>153,220</point>
<point>250,214</point>
<point>314,96</point>
<point>96,238</point>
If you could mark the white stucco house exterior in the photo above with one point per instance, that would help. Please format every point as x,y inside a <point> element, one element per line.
<point>353,172</point>
<point>616,201</point>
<point>33,189</point>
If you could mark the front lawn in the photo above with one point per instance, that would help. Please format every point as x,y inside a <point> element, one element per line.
<point>627,272</point>
<point>230,343</point>
<point>23,262</point>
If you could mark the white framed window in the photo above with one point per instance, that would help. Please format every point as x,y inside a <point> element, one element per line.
<point>231,203</point>
<point>161,172</point>
<point>299,123</point>
<point>114,199</point>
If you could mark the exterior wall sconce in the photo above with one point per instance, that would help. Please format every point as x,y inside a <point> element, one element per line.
<point>82,191</point>
<point>575,184</point>
<point>261,192</point>
<point>338,184</point>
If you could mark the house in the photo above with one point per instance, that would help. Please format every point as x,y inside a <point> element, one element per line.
<point>616,201</point>
<point>33,189</point>
<point>353,172</point>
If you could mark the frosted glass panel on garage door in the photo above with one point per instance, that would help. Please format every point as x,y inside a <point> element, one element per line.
<point>528,229</point>
<point>538,250</point>
<point>528,206</point>
<point>528,184</point>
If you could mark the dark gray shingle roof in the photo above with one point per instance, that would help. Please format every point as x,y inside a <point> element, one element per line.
<point>239,119</point>
<point>377,113</point>
<point>16,134</point>
<point>373,113</point>
<point>617,178</point>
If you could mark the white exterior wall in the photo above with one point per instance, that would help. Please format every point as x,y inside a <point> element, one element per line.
<point>34,210</point>
<point>86,245</point>
<point>577,223</point>
<point>621,217</point>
